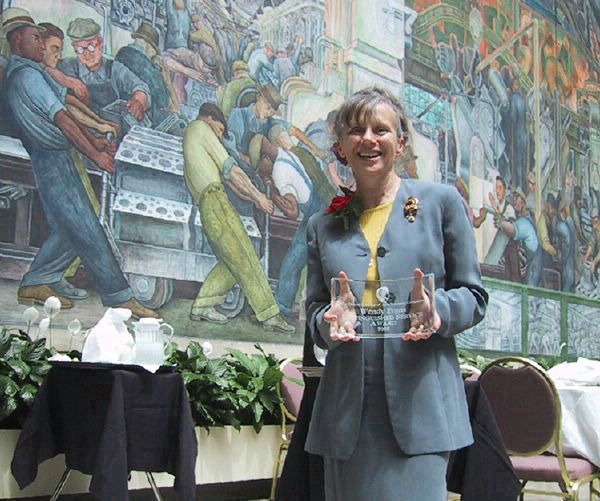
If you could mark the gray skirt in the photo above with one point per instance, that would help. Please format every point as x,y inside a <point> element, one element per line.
<point>378,469</point>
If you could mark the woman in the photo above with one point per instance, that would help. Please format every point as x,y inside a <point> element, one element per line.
<point>388,411</point>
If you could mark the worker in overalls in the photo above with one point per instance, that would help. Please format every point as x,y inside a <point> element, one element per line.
<point>106,80</point>
<point>296,195</point>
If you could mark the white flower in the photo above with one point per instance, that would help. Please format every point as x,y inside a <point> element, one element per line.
<point>207,348</point>
<point>52,306</point>
<point>74,327</point>
<point>30,315</point>
<point>44,325</point>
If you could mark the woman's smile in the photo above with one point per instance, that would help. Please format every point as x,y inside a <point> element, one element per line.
<point>370,155</point>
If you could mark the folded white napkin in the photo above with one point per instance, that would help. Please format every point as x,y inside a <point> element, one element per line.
<point>584,372</point>
<point>109,341</point>
<point>60,357</point>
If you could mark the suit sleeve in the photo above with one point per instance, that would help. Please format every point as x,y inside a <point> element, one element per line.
<point>317,293</point>
<point>462,302</point>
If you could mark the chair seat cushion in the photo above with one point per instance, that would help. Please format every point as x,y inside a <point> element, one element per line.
<point>545,468</point>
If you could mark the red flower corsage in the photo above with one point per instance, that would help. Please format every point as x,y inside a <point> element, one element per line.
<point>346,206</point>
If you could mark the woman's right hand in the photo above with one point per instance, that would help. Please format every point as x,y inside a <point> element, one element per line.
<point>341,315</point>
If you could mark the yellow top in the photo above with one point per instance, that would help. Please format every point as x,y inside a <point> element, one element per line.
<point>372,223</point>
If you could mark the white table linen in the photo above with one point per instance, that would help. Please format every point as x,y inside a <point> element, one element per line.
<point>578,385</point>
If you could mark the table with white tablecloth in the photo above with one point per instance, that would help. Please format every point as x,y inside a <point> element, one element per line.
<point>581,420</point>
<point>578,385</point>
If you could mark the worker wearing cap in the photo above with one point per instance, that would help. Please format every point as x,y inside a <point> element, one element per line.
<point>241,84</point>
<point>258,118</point>
<point>206,166</point>
<point>141,58</point>
<point>107,80</point>
<point>36,103</point>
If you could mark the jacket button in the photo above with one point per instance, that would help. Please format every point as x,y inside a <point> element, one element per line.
<point>381,252</point>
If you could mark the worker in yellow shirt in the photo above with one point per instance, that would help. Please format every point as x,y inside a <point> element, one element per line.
<point>206,166</point>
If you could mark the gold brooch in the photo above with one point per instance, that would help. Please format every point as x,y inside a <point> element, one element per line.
<point>411,207</point>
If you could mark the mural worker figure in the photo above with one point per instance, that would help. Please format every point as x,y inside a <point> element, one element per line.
<point>230,95</point>
<point>207,165</point>
<point>53,39</point>
<point>178,56</point>
<point>284,65</point>
<point>260,63</point>
<point>523,230</point>
<point>202,40</point>
<point>36,102</point>
<point>141,57</point>
<point>258,118</point>
<point>76,100</point>
<point>546,225</point>
<point>502,248</point>
<point>295,195</point>
<point>279,136</point>
<point>179,23</point>
<point>566,238</point>
<point>106,80</point>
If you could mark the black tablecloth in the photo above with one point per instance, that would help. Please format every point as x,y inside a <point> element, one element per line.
<point>480,472</point>
<point>107,423</point>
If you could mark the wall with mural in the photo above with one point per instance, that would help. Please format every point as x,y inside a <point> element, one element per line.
<point>218,116</point>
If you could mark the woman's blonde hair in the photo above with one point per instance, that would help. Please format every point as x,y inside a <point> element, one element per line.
<point>360,105</point>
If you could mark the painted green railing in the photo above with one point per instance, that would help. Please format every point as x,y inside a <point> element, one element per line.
<point>551,323</point>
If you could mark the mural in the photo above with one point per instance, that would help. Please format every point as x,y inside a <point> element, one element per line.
<point>201,147</point>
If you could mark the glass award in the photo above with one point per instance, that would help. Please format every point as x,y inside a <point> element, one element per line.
<point>386,308</point>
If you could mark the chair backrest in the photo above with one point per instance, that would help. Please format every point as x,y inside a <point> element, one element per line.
<point>291,388</point>
<point>525,404</point>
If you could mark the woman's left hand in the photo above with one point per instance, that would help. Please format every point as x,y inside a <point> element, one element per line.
<point>422,326</point>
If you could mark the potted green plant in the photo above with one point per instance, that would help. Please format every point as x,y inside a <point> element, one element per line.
<point>23,365</point>
<point>234,390</point>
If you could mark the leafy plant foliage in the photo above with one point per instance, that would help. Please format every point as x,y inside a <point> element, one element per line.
<point>235,390</point>
<point>23,365</point>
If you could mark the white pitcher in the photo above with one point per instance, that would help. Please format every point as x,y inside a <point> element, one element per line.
<point>152,341</point>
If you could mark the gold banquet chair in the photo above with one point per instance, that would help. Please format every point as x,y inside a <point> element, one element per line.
<point>290,389</point>
<point>527,408</point>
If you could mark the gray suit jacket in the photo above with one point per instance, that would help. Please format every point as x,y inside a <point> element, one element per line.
<point>424,388</point>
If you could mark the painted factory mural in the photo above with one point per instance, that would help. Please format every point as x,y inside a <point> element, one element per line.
<point>209,128</point>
